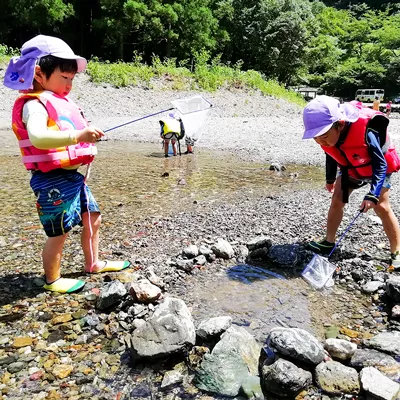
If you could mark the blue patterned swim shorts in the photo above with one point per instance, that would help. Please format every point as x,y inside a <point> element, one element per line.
<point>62,198</point>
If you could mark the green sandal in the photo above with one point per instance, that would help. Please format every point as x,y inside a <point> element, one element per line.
<point>323,247</point>
<point>65,285</point>
<point>395,260</point>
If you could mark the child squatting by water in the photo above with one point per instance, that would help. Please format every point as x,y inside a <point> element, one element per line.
<point>55,140</point>
<point>356,140</point>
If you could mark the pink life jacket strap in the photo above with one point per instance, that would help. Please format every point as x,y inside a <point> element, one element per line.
<point>72,153</point>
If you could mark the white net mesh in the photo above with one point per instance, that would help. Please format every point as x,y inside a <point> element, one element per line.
<point>193,112</point>
<point>318,271</point>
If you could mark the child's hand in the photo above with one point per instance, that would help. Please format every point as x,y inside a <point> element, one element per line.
<point>330,187</point>
<point>90,134</point>
<point>366,205</point>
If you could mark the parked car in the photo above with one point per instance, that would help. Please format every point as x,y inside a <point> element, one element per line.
<point>396,100</point>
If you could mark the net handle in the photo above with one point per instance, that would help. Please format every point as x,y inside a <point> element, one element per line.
<point>344,234</point>
<point>138,119</point>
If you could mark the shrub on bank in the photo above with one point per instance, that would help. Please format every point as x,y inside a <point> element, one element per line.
<point>202,74</point>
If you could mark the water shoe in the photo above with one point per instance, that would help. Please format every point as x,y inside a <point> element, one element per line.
<point>65,285</point>
<point>395,260</point>
<point>112,266</point>
<point>322,247</point>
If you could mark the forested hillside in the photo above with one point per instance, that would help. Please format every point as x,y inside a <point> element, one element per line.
<point>338,45</point>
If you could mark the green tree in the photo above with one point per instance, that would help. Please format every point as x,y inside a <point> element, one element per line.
<point>22,19</point>
<point>166,28</point>
<point>270,35</point>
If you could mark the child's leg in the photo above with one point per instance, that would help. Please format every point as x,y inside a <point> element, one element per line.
<point>166,146</point>
<point>51,256</point>
<point>90,246</point>
<point>390,223</point>
<point>174,146</point>
<point>90,240</point>
<point>335,214</point>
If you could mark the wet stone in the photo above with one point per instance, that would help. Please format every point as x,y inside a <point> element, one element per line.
<point>79,314</point>
<point>22,342</point>
<point>62,370</point>
<point>6,360</point>
<point>297,344</point>
<point>336,378</point>
<point>55,336</point>
<point>285,378</point>
<point>16,367</point>
<point>59,319</point>
<point>289,255</point>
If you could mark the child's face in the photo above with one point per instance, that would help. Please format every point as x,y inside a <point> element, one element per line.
<point>331,137</point>
<point>59,82</point>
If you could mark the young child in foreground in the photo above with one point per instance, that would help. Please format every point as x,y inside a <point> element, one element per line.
<point>55,140</point>
<point>355,139</point>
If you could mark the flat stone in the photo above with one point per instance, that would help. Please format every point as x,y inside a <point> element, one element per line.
<point>22,341</point>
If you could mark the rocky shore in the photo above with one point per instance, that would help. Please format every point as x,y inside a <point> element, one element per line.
<point>150,332</point>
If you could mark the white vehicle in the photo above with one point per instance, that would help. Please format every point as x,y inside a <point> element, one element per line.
<point>368,95</point>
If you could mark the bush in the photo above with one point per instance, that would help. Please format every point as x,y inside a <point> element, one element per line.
<point>203,74</point>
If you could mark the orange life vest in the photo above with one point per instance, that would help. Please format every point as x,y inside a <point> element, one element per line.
<point>63,115</point>
<point>353,153</point>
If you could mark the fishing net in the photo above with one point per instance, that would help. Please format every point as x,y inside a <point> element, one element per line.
<point>193,112</point>
<point>318,271</point>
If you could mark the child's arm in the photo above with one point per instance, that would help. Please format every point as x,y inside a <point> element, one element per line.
<point>379,166</point>
<point>330,169</point>
<point>35,117</point>
<point>330,173</point>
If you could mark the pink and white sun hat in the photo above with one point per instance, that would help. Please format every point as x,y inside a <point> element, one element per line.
<point>21,70</point>
<point>322,112</point>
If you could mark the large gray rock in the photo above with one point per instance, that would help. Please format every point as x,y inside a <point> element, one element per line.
<point>289,255</point>
<point>144,291</point>
<point>393,288</point>
<point>223,249</point>
<point>111,294</point>
<point>259,242</point>
<point>232,360</point>
<point>372,286</point>
<point>339,348</point>
<point>378,385</point>
<point>190,251</point>
<point>283,378</point>
<point>335,378</point>
<point>373,358</point>
<point>168,331</point>
<point>389,342</point>
<point>297,344</point>
<point>209,329</point>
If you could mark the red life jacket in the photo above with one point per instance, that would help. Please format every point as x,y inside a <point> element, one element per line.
<point>63,115</point>
<point>353,153</point>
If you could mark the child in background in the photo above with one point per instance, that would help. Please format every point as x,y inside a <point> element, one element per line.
<point>355,139</point>
<point>388,108</point>
<point>189,145</point>
<point>55,140</point>
<point>376,104</point>
<point>172,130</point>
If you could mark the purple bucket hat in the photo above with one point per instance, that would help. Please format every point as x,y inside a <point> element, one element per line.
<point>21,70</point>
<point>322,112</point>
